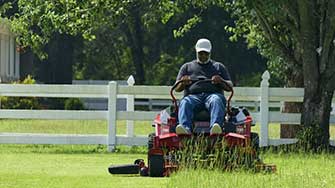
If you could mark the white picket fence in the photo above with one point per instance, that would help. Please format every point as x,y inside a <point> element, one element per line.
<point>264,94</point>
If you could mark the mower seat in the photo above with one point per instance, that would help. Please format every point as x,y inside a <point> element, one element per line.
<point>201,121</point>
<point>202,115</point>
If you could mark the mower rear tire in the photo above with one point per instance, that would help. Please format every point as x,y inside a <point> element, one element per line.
<point>255,141</point>
<point>156,165</point>
<point>151,140</point>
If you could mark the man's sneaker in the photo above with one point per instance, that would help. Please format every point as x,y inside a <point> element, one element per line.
<point>182,130</point>
<point>216,129</point>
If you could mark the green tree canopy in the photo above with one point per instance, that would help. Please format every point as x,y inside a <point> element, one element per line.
<point>127,36</point>
<point>301,33</point>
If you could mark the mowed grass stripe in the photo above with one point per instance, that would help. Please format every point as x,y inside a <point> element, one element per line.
<point>44,170</point>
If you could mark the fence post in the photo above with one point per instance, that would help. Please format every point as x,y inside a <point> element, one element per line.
<point>264,109</point>
<point>112,96</point>
<point>130,107</point>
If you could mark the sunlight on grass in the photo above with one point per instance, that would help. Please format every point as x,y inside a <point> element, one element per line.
<point>274,130</point>
<point>54,126</point>
<point>30,167</point>
<point>71,126</point>
<point>100,127</point>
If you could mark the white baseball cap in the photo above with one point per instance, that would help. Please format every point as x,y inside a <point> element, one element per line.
<point>203,45</point>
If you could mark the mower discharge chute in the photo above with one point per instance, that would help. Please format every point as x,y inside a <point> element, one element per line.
<point>165,147</point>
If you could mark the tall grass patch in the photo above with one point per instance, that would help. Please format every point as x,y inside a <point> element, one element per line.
<point>204,152</point>
<point>293,170</point>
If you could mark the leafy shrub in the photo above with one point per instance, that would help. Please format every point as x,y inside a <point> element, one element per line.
<point>52,103</point>
<point>310,138</point>
<point>73,104</point>
<point>21,102</point>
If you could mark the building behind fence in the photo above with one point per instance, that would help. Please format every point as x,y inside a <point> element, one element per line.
<point>263,95</point>
<point>101,103</point>
<point>9,56</point>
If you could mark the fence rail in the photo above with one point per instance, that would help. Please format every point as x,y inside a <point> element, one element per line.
<point>264,96</point>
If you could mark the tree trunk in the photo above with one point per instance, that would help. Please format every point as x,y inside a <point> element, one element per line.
<point>295,79</point>
<point>316,114</point>
<point>290,130</point>
<point>318,71</point>
<point>134,32</point>
<point>57,69</point>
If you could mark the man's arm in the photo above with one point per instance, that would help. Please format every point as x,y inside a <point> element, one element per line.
<point>186,80</point>
<point>227,85</point>
<point>224,80</point>
<point>183,75</point>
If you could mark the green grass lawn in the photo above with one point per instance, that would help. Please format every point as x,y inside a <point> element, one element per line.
<point>32,166</point>
<point>42,166</point>
<point>98,127</point>
<point>48,166</point>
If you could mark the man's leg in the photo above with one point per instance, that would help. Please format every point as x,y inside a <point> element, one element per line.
<point>216,105</point>
<point>186,107</point>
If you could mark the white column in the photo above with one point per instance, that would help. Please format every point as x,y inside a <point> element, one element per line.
<point>2,57</point>
<point>17,65</point>
<point>264,109</point>
<point>130,107</point>
<point>112,96</point>
<point>11,56</point>
<point>7,57</point>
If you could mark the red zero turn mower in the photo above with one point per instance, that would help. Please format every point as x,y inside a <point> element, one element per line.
<point>164,144</point>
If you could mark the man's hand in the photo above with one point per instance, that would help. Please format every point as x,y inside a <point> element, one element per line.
<point>217,79</point>
<point>186,80</point>
<point>227,85</point>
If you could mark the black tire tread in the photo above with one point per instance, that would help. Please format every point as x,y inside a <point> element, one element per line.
<point>156,165</point>
<point>151,140</point>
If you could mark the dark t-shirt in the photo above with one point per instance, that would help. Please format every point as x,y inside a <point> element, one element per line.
<point>196,70</point>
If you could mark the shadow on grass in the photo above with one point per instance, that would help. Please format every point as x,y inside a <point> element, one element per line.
<point>297,148</point>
